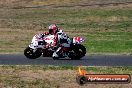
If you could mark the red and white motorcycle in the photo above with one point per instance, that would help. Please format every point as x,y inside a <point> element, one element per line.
<point>42,47</point>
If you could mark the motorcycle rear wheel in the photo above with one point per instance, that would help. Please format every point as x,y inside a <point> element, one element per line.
<point>79,52</point>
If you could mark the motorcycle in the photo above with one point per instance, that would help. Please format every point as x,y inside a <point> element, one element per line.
<point>42,47</point>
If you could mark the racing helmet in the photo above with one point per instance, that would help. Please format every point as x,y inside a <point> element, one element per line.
<point>53,29</point>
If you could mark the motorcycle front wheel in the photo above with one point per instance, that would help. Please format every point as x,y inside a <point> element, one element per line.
<point>29,53</point>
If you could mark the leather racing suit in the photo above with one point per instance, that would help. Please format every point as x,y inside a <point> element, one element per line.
<point>62,41</point>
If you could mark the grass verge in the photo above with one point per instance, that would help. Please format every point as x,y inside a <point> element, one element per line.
<point>53,76</point>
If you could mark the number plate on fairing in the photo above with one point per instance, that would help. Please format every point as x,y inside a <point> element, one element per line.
<point>49,39</point>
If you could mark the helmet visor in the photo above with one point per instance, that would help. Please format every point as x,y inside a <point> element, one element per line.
<point>50,31</point>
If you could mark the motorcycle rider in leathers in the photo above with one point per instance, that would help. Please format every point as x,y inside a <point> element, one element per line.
<point>61,40</point>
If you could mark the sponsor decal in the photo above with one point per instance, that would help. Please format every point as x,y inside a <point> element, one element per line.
<point>83,77</point>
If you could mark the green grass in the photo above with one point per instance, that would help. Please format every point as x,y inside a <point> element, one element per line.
<point>110,70</point>
<point>111,42</point>
<point>103,70</point>
<point>38,67</point>
<point>70,18</point>
<point>106,30</point>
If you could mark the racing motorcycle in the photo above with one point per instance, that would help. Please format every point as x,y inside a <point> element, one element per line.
<point>42,48</point>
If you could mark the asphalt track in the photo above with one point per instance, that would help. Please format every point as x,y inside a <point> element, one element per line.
<point>92,60</point>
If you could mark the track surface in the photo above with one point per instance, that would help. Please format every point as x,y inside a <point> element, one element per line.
<point>85,61</point>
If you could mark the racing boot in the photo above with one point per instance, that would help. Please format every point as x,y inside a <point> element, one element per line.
<point>57,53</point>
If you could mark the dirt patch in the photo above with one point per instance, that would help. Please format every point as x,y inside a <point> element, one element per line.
<point>65,79</point>
<point>38,77</point>
<point>14,3</point>
<point>18,4</point>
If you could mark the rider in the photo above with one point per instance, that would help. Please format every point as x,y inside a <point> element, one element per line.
<point>53,29</point>
<point>61,40</point>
